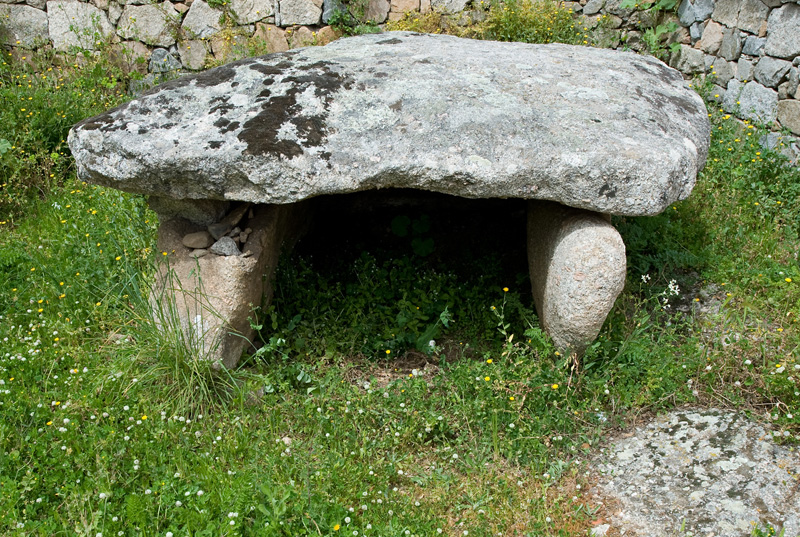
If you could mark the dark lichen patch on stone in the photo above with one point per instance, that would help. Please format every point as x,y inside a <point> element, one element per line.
<point>224,125</point>
<point>260,132</point>
<point>397,106</point>
<point>393,41</point>
<point>658,101</point>
<point>608,191</point>
<point>103,121</point>
<point>214,144</point>
<point>220,104</point>
<point>271,70</point>
<point>664,73</point>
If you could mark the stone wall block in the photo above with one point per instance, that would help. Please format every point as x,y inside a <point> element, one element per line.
<point>703,9</point>
<point>329,7</point>
<point>771,72</point>
<point>23,26</point>
<point>402,6</point>
<point>161,61</point>
<point>114,12</point>
<point>688,60</point>
<point>326,35</point>
<point>593,7</point>
<point>753,46</point>
<point>642,19</point>
<point>153,24</point>
<point>299,12</point>
<point>789,114</point>
<point>273,36</point>
<point>131,56</point>
<point>783,91</point>
<point>377,11</point>
<point>726,12</point>
<point>752,13</point>
<point>450,6</point>
<point>301,36</point>
<point>696,32</point>
<point>38,4</point>
<point>717,94</point>
<point>723,71</point>
<point>76,24</point>
<point>250,11</point>
<point>751,100</point>
<point>712,37</point>
<point>201,21</point>
<point>793,80</point>
<point>731,47</point>
<point>744,70</point>
<point>193,54</point>
<point>783,32</point>
<point>614,7</point>
<point>681,35</point>
<point>686,13</point>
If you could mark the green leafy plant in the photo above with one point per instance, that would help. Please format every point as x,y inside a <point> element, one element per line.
<point>658,5</point>
<point>654,39</point>
<point>351,19</point>
<point>416,230</point>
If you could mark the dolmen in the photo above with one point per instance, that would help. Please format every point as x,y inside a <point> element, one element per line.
<point>227,157</point>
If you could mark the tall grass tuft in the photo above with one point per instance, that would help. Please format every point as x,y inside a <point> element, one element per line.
<point>168,358</point>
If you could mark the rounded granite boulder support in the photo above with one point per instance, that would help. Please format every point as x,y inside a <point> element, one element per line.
<point>576,260</point>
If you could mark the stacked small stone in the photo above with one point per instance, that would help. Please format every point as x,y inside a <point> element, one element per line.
<point>224,238</point>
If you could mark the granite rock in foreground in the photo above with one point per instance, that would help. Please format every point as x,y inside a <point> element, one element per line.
<point>702,472</point>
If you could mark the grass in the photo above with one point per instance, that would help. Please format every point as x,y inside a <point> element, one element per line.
<point>347,419</point>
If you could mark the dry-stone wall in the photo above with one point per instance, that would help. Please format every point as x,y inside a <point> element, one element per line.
<point>753,50</point>
<point>750,47</point>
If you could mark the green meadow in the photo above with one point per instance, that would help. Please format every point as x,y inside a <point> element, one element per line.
<point>400,384</point>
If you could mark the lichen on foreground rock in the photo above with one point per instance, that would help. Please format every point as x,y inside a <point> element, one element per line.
<point>709,472</point>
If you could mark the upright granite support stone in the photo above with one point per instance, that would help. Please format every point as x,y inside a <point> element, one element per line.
<point>211,298</point>
<point>577,267</point>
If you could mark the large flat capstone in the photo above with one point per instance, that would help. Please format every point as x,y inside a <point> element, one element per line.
<point>603,130</point>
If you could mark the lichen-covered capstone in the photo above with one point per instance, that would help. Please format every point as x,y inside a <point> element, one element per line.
<point>607,131</point>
